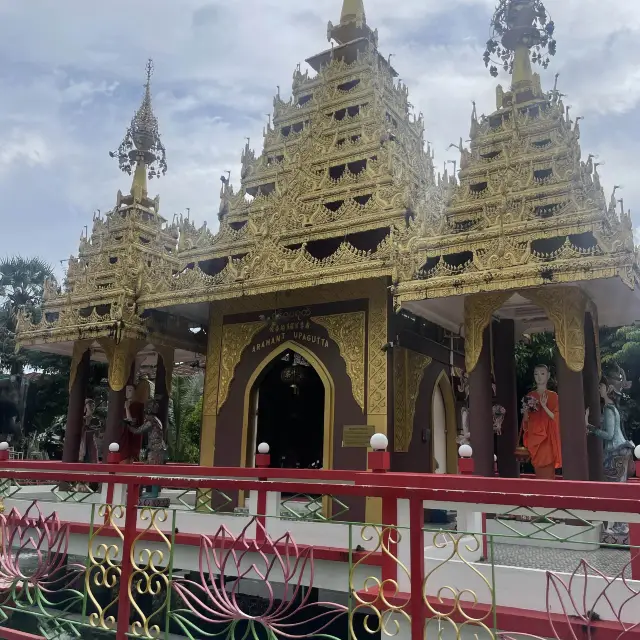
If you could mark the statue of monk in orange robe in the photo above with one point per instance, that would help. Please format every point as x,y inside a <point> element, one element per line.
<point>541,428</point>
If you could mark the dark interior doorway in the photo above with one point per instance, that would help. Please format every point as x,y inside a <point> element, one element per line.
<point>290,413</point>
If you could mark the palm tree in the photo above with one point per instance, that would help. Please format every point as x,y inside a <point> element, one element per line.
<point>186,392</point>
<point>21,286</point>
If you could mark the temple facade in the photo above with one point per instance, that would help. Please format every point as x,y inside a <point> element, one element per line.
<point>348,289</point>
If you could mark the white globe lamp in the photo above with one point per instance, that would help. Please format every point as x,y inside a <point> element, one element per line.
<point>263,448</point>
<point>114,447</point>
<point>465,451</point>
<point>379,442</point>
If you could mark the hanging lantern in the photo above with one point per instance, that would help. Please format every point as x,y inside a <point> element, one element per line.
<point>294,376</point>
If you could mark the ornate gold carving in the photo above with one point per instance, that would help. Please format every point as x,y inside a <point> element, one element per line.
<point>150,571</point>
<point>79,349</point>
<point>408,371</point>
<point>212,374</point>
<point>477,316</point>
<point>377,358</point>
<point>120,356</point>
<point>382,614</point>
<point>104,565</point>
<point>565,307</point>
<point>235,339</point>
<point>347,330</point>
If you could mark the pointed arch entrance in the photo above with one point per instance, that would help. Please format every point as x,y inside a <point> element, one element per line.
<point>264,374</point>
<point>443,427</point>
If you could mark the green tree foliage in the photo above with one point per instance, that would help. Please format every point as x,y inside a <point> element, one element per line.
<point>539,348</point>
<point>185,411</point>
<point>21,286</point>
<point>46,394</point>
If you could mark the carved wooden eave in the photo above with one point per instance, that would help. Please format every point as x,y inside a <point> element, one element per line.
<point>69,326</point>
<point>271,268</point>
<point>518,277</point>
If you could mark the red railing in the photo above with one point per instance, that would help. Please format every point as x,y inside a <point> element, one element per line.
<point>390,573</point>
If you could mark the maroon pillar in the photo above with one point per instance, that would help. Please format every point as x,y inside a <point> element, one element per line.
<point>75,410</point>
<point>504,368</point>
<point>481,411</point>
<point>162,392</point>
<point>573,431</point>
<point>591,387</point>
<point>115,416</point>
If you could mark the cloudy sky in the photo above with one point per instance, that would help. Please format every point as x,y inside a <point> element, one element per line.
<point>71,75</point>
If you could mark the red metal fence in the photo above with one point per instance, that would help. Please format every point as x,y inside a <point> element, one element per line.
<point>181,568</point>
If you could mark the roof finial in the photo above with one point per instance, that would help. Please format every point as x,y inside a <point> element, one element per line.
<point>518,26</point>
<point>353,11</point>
<point>353,24</point>
<point>141,149</point>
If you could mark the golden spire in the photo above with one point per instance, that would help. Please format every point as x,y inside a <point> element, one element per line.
<point>353,11</point>
<point>518,27</point>
<point>353,24</point>
<point>141,152</point>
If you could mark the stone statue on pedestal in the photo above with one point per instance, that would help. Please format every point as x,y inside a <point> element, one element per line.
<point>156,441</point>
<point>618,451</point>
<point>541,426</point>
<point>92,434</point>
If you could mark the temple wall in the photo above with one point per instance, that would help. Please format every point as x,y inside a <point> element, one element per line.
<point>427,365</point>
<point>310,335</point>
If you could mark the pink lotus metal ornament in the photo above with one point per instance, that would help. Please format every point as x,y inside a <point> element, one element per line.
<point>215,598</point>
<point>25,582</point>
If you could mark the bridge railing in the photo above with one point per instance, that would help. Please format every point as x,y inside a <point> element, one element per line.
<point>253,553</point>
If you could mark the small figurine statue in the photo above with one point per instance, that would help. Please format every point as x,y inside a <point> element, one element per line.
<point>499,412</point>
<point>464,437</point>
<point>156,444</point>
<point>541,426</point>
<point>618,451</point>
<point>91,439</point>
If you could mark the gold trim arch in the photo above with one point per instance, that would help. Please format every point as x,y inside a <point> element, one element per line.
<point>409,368</point>
<point>444,384</point>
<point>329,399</point>
<point>478,310</point>
<point>347,330</point>
<point>565,307</point>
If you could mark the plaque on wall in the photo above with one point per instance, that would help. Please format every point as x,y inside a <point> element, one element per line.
<point>357,435</point>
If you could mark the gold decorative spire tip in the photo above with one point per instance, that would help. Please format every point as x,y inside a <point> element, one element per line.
<point>142,146</point>
<point>353,24</point>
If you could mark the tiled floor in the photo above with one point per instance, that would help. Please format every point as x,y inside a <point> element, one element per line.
<point>610,562</point>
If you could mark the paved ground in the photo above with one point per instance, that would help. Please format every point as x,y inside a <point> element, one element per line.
<point>611,562</point>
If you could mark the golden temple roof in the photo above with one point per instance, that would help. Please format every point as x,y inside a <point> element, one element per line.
<point>343,189</point>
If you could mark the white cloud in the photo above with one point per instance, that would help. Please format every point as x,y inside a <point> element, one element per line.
<point>24,147</point>
<point>71,76</point>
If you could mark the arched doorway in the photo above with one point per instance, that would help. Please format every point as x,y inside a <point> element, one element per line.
<point>290,412</point>
<point>289,405</point>
<point>443,427</point>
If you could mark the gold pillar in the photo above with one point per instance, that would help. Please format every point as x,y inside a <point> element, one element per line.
<point>211,389</point>
<point>210,404</point>
<point>377,363</point>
